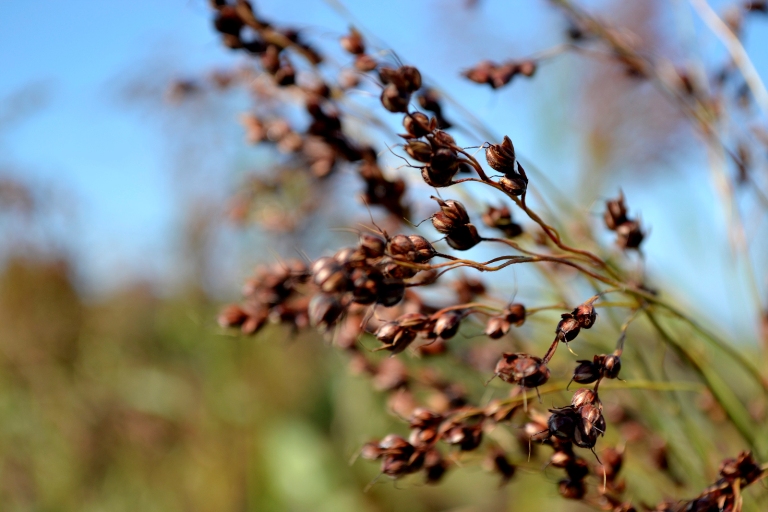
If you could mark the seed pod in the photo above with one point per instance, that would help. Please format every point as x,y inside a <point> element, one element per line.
<point>578,469</point>
<point>371,451</point>
<point>401,247</point>
<point>562,423</point>
<point>629,235</point>
<point>416,124</point>
<point>391,292</point>
<point>515,185</point>
<point>434,466</point>
<point>232,316</point>
<point>586,372</point>
<point>365,284</point>
<point>561,458</point>
<point>501,219</point>
<point>399,271</point>
<point>434,178</point>
<point>611,366</point>
<point>467,437</point>
<point>227,21</point>
<point>443,139</point>
<point>524,369</point>
<point>464,238</point>
<point>423,249</point>
<point>411,78</point>
<point>583,396</point>
<point>324,310</point>
<point>501,465</point>
<point>414,321</point>
<point>496,327</point>
<point>568,328</point>
<point>395,100</point>
<point>447,324</point>
<point>419,151</point>
<point>353,42</point>
<point>373,246</point>
<point>501,157</point>
<point>615,212</point>
<point>571,489</point>
<point>585,315</point>
<point>515,314</point>
<point>481,73</point>
<point>395,337</point>
<point>329,275</point>
<point>365,63</point>
<point>349,256</point>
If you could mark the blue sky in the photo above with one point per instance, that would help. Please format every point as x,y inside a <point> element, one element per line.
<point>113,158</point>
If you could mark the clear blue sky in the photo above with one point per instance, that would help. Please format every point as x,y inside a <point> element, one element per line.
<point>83,140</point>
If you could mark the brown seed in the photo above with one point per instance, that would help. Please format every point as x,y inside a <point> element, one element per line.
<point>353,42</point>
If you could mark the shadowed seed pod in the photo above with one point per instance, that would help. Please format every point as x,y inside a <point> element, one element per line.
<point>395,100</point>
<point>501,219</point>
<point>629,235</point>
<point>615,212</point>
<point>324,311</point>
<point>419,151</point>
<point>568,328</point>
<point>417,124</point>
<point>571,489</point>
<point>390,292</point>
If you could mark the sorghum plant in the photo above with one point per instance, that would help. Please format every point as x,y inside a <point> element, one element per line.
<point>402,285</point>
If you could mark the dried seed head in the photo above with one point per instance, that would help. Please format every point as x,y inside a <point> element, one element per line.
<point>419,151</point>
<point>350,256</point>
<point>436,179</point>
<point>424,251</point>
<point>630,235</point>
<point>562,423</point>
<point>395,100</point>
<point>353,42</point>
<point>411,78</point>
<point>496,327</point>
<point>391,292</point>
<point>568,328</point>
<point>434,466</point>
<point>615,212</point>
<point>447,324</point>
<point>324,310</point>
<point>515,185</point>
<point>443,138</point>
<point>583,397</point>
<point>329,275</point>
<point>371,451</point>
<point>453,211</point>
<point>501,219</point>
<point>515,314</point>
<point>464,238</point>
<point>501,157</point>
<point>401,247</point>
<point>611,366</point>
<point>415,321</point>
<point>586,372</point>
<point>417,124</point>
<point>524,369</point>
<point>372,245</point>
<point>585,315</point>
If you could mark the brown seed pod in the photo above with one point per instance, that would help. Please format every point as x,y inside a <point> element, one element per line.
<point>419,151</point>
<point>417,124</point>
<point>501,157</point>
<point>615,212</point>
<point>496,327</point>
<point>571,489</point>
<point>464,238</point>
<point>447,324</point>
<point>585,315</point>
<point>353,42</point>
<point>501,219</point>
<point>423,249</point>
<point>394,99</point>
<point>568,328</point>
<point>365,63</point>
<point>324,311</point>
<point>629,235</point>
<point>583,396</point>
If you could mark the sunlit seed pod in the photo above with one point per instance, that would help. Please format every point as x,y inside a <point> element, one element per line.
<point>447,324</point>
<point>568,328</point>
<point>513,185</point>
<point>583,396</point>
<point>585,315</point>
<point>395,100</point>
<point>401,247</point>
<point>372,246</point>
<point>501,157</point>
<point>416,124</point>
<point>423,249</point>
<point>496,327</point>
<point>611,366</point>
